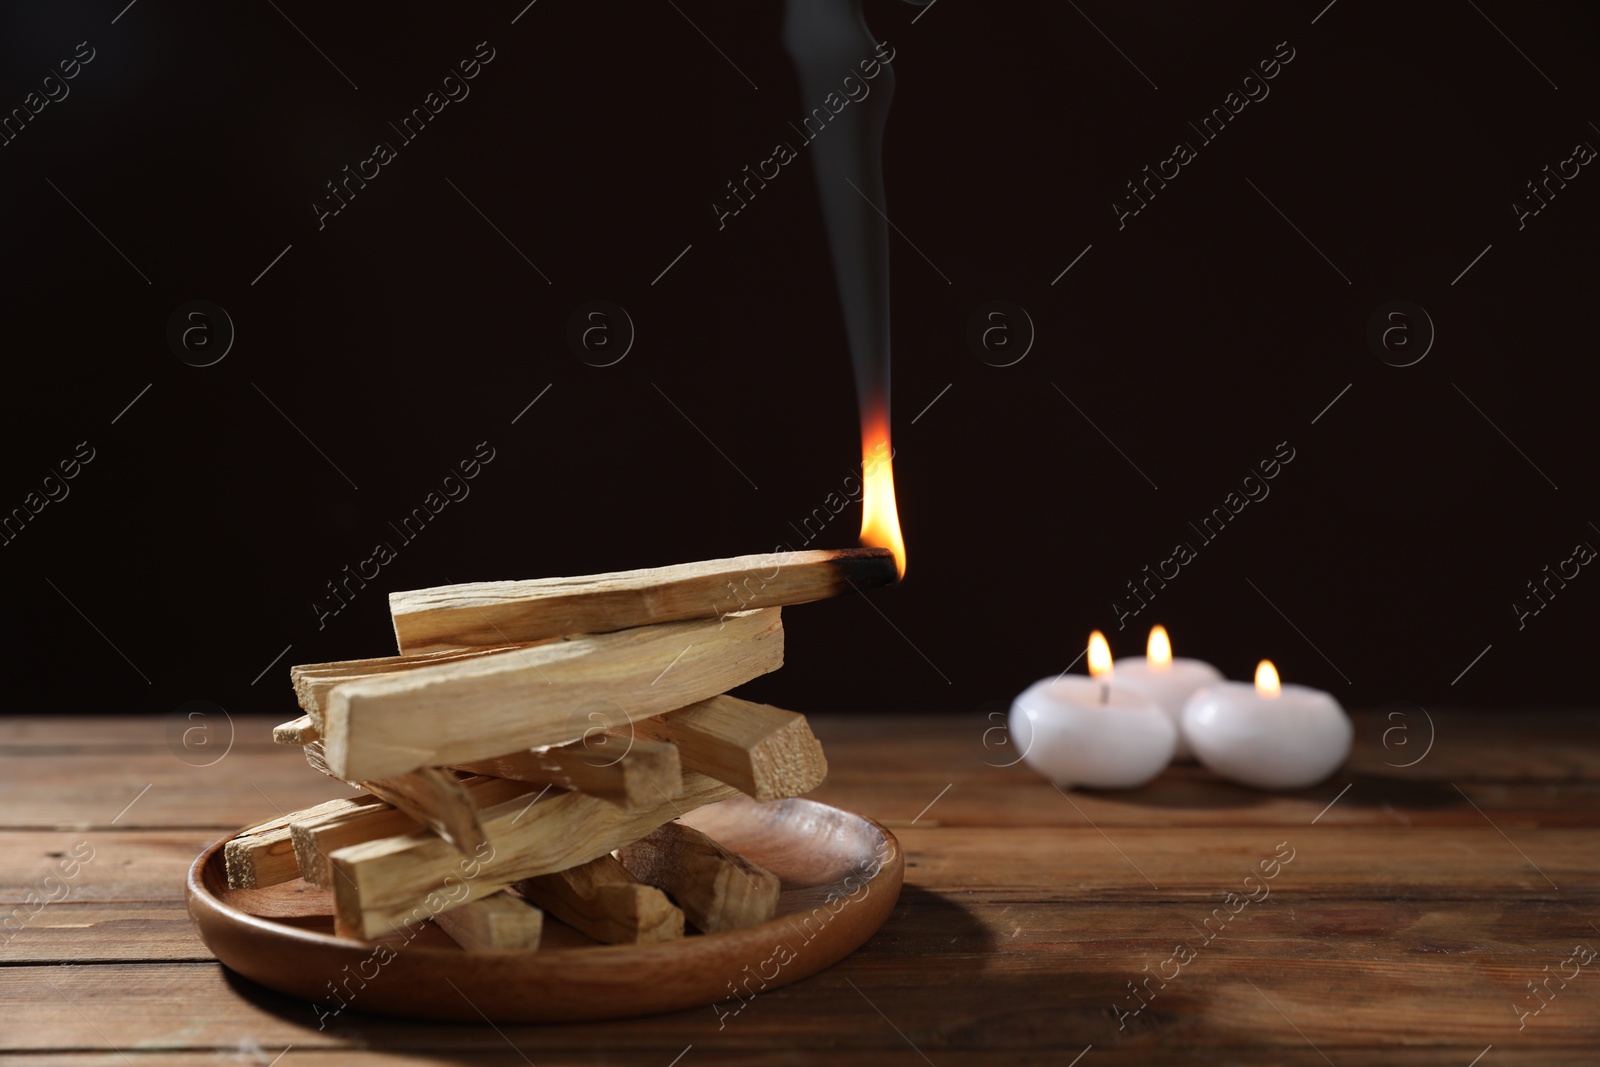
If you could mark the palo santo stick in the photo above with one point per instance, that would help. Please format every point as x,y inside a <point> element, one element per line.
<point>264,854</point>
<point>301,731</point>
<point>433,796</point>
<point>484,707</point>
<point>379,884</point>
<point>600,898</point>
<point>498,923</point>
<point>313,681</point>
<point>764,751</point>
<point>716,889</point>
<point>486,613</point>
<point>643,775</point>
<point>437,799</point>
<point>316,837</point>
<point>315,756</point>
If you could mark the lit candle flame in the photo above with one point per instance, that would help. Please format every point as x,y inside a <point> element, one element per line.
<point>1159,651</point>
<point>880,520</point>
<point>1099,656</point>
<point>1267,679</point>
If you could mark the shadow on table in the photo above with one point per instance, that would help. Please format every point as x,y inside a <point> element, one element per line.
<point>1192,787</point>
<point>934,981</point>
<point>923,926</point>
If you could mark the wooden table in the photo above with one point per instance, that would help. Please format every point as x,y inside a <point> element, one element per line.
<point>1418,904</point>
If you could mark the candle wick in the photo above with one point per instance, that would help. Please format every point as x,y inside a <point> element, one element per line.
<point>1105,694</point>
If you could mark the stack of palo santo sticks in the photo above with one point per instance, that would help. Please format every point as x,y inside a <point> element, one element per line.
<point>530,749</point>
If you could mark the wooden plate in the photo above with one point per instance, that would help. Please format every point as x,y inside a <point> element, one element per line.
<point>841,875</point>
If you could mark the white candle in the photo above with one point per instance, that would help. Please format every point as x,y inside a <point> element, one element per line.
<point>1268,735</point>
<point>1090,732</point>
<point>1169,682</point>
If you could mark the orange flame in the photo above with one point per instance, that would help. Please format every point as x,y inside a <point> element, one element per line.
<point>880,520</point>
<point>1099,656</point>
<point>1159,651</point>
<point>1267,679</point>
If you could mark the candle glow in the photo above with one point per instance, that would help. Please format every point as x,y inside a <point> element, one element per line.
<point>1099,656</point>
<point>1159,649</point>
<point>1267,679</point>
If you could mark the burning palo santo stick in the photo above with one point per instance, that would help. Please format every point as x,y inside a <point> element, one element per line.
<point>499,923</point>
<point>379,883</point>
<point>641,776</point>
<point>495,613</point>
<point>486,706</point>
<point>830,42</point>
<point>716,889</point>
<point>600,898</point>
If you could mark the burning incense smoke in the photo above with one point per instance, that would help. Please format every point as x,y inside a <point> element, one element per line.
<point>832,50</point>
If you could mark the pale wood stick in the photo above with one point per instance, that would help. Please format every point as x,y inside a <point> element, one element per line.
<point>600,898</point>
<point>484,707</point>
<point>379,884</point>
<point>499,923</point>
<point>629,771</point>
<point>433,796</point>
<point>314,838</point>
<point>488,613</point>
<point>437,799</point>
<point>317,757</point>
<point>301,731</point>
<point>264,854</point>
<point>765,751</point>
<point>313,681</point>
<point>716,889</point>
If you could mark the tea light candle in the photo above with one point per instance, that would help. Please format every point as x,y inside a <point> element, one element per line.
<point>1169,682</point>
<point>1090,732</point>
<point>1270,736</point>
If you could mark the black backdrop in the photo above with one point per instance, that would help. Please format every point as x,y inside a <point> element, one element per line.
<point>1183,346</point>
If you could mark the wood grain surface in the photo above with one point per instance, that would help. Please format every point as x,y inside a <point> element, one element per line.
<point>489,613</point>
<point>1418,904</point>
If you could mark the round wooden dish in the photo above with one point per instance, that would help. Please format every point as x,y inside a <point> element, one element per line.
<point>841,875</point>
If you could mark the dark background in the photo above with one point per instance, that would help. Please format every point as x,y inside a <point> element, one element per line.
<point>190,550</point>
